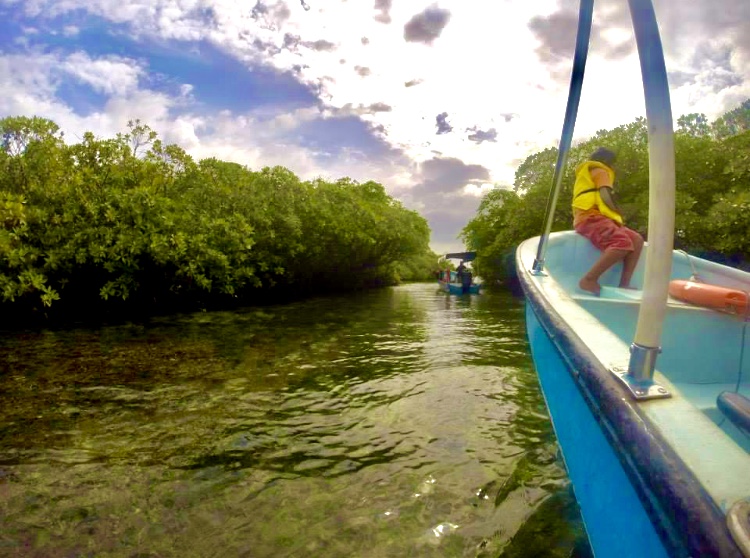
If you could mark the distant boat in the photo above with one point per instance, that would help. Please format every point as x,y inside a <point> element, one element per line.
<point>455,283</point>
<point>649,389</point>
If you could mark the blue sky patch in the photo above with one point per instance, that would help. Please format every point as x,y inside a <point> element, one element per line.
<point>333,135</point>
<point>11,27</point>
<point>81,97</point>
<point>220,81</point>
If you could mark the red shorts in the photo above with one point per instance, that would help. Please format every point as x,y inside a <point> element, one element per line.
<point>604,233</point>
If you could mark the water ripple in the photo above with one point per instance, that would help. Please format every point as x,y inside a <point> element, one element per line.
<point>397,423</point>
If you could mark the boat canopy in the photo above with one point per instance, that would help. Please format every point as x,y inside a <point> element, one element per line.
<point>465,256</point>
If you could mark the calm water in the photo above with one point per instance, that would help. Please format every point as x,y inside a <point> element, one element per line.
<point>403,422</point>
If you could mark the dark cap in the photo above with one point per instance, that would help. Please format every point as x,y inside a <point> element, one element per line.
<point>604,155</point>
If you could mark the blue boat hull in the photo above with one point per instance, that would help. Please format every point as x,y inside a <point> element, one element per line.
<point>458,289</point>
<point>615,520</point>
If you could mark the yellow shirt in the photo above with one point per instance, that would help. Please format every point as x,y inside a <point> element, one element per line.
<point>587,201</point>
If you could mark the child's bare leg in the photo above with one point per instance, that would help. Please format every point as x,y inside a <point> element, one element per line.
<point>590,281</point>
<point>630,262</point>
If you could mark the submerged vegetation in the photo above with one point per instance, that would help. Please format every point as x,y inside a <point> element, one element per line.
<point>712,203</point>
<point>130,222</point>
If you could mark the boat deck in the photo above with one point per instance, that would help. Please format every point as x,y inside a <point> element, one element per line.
<point>700,392</point>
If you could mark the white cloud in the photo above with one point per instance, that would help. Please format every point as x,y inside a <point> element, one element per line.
<point>477,190</point>
<point>110,75</point>
<point>22,76</point>
<point>186,90</point>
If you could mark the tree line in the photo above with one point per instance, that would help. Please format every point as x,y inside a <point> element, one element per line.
<point>133,222</point>
<point>712,197</point>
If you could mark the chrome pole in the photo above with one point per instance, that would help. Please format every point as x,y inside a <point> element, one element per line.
<point>585,15</point>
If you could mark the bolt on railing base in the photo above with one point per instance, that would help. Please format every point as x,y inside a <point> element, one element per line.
<point>640,390</point>
<point>638,376</point>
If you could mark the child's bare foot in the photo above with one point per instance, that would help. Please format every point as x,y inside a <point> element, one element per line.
<point>590,285</point>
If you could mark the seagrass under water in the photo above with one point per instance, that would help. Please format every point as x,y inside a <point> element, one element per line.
<point>402,422</point>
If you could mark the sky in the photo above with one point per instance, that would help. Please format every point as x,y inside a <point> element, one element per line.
<point>437,101</point>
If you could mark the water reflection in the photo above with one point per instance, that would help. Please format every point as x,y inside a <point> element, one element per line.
<point>404,422</point>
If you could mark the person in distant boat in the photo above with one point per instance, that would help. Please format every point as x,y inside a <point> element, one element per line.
<point>597,217</point>
<point>460,270</point>
<point>465,280</point>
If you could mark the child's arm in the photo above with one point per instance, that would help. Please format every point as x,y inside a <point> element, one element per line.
<point>606,194</point>
<point>602,182</point>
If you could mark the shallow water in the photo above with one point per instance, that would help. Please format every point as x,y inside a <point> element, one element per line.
<point>402,422</point>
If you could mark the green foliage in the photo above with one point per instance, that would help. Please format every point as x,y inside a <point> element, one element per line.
<point>424,267</point>
<point>733,122</point>
<point>132,219</point>
<point>693,124</point>
<point>713,191</point>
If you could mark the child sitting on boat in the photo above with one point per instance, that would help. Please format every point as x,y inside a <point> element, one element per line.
<point>597,217</point>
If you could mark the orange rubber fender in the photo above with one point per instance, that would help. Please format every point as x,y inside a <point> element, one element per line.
<point>709,296</point>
